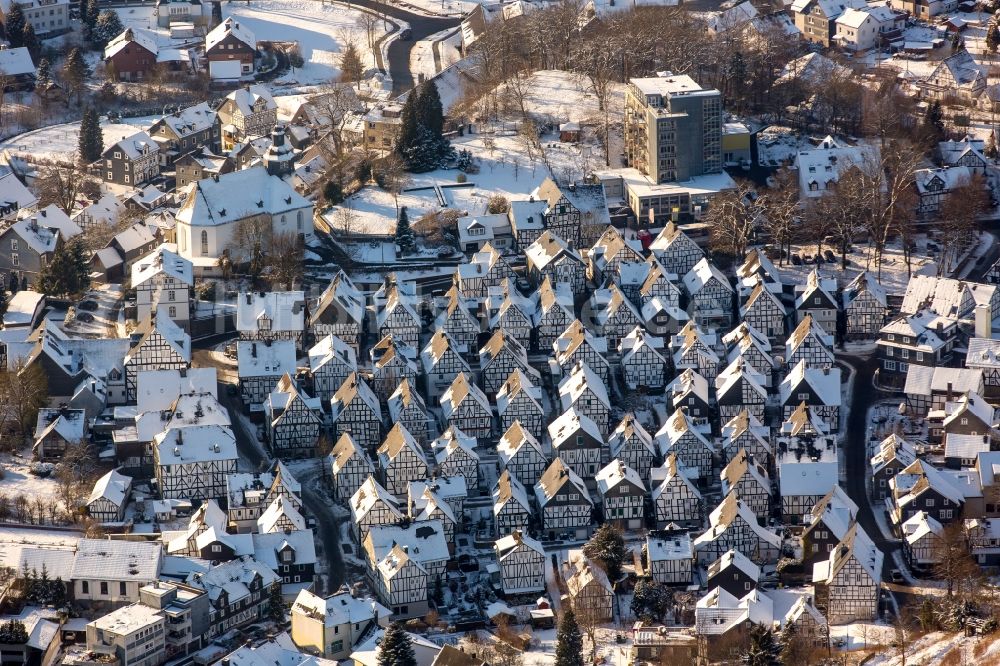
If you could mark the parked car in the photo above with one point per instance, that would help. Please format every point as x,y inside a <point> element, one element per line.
<point>896,575</point>
<point>797,260</point>
<point>830,257</point>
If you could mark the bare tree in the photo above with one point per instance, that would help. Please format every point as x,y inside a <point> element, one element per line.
<point>597,60</point>
<point>392,176</point>
<point>251,237</point>
<point>63,186</point>
<point>333,108</point>
<point>346,218</point>
<point>782,211</point>
<point>26,390</point>
<point>965,204</point>
<point>956,566</point>
<point>733,217</point>
<point>284,258</point>
<point>369,23</point>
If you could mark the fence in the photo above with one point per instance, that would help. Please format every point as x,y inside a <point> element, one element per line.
<point>219,322</point>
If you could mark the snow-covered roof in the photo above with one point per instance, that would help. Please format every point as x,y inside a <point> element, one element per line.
<point>676,546</point>
<point>579,381</point>
<point>831,8</point>
<point>825,382</point>
<point>134,146</point>
<point>339,609</point>
<point>855,18</point>
<point>13,191</point>
<point>163,260</point>
<point>569,423</point>
<point>614,473</point>
<point>268,521</point>
<point>236,29</point>
<point>919,525</point>
<point>283,310</point>
<point>807,477</point>
<point>965,446</point>
<point>113,487</point>
<point>237,195</point>
<point>825,164</point>
<point>39,238</point>
<point>188,121</point>
<point>192,444</point>
<point>143,38</point>
<point>114,560</point>
<point>254,359</point>
<point>555,476</point>
<point>983,353</point>
<point>701,274</point>
<point>734,558</point>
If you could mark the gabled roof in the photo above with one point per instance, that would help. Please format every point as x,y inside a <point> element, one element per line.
<point>703,273</point>
<point>738,467</point>
<point>142,38</point>
<point>614,474</point>
<point>285,310</point>
<point>461,389</point>
<point>231,26</point>
<point>737,560</point>
<point>512,441</point>
<point>339,609</point>
<point>673,471</point>
<point>556,475</point>
<point>825,383</point>
<point>332,349</point>
<point>162,261</point>
<point>628,429</point>
<point>355,387</point>
<point>397,439</point>
<point>509,488</point>
<point>579,381</point>
<point>568,424</point>
<point>865,282</point>
<point>113,487</point>
<point>722,517</point>
<point>237,195</point>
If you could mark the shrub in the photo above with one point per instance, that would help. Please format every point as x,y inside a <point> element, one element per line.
<point>460,178</point>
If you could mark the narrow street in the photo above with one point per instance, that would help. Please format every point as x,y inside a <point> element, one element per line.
<point>255,458</point>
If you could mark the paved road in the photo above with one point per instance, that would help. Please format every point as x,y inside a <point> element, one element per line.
<point>313,497</point>
<point>863,394</point>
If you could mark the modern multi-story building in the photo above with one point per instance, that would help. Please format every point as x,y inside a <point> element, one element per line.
<point>673,128</point>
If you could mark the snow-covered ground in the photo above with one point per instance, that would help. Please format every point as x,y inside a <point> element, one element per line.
<point>321,30</point>
<point>18,480</point>
<point>60,142</point>
<point>12,540</point>
<point>437,7</point>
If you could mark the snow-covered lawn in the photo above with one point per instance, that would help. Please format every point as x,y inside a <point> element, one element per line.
<point>437,7</point>
<point>18,480</point>
<point>320,29</point>
<point>59,142</point>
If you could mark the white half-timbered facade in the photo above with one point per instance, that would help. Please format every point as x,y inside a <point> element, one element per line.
<point>511,311</point>
<point>749,480</point>
<point>193,462</point>
<point>522,564</point>
<point>659,284</point>
<point>745,432</point>
<point>578,345</point>
<point>670,559</point>
<point>582,390</point>
<point>402,584</point>
<point>816,298</point>
<point>847,585</point>
<point>676,499</point>
<point>407,407</point>
<point>590,592</point>
<point>578,442</point>
<point>331,361</point>
<point>764,312</point>
<point>609,252</point>
<point>349,467</point>
<point>675,250</point>
<point>292,420</point>
<point>615,314</point>
<point>623,495</point>
<point>555,312</point>
<point>519,400</point>
<point>487,268</point>
<point>458,321</point>
<point>680,436</point>
<point>744,341</point>
<point>809,343</point>
<point>511,510</point>
<point>340,311</point>
<point>521,454</point>
<point>109,498</point>
<point>442,362</point>
<point>456,456</point>
<point>695,350</point>
<point>819,388</point>
<point>354,408</point>
<point>395,313</point>
<point>633,445</point>
<point>260,365</point>
<point>565,504</point>
<point>162,345</point>
<point>372,505</point>
<point>552,257</point>
<point>499,357</point>
<point>272,315</point>
<point>465,406</point>
<point>401,459</point>
<point>392,362</point>
<point>642,361</point>
<point>866,307</point>
<point>733,526</point>
<point>710,296</point>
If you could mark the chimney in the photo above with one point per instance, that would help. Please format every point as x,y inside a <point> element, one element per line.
<point>948,392</point>
<point>984,321</point>
<point>253,349</point>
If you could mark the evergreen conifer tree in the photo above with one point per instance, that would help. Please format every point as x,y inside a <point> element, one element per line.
<point>31,42</point>
<point>569,641</point>
<point>91,10</point>
<point>607,547</point>
<point>396,648</point>
<point>43,75</point>
<point>276,605</point>
<point>409,127</point>
<point>351,69</point>
<point>75,72</point>
<point>992,37</point>
<point>404,234</point>
<point>107,27</point>
<point>14,25</point>
<point>430,112</point>
<point>934,123</point>
<point>91,137</point>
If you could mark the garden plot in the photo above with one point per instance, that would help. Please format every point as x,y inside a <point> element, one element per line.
<point>60,142</point>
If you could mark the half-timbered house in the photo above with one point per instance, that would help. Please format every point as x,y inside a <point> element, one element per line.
<point>615,314</point>
<point>519,400</point>
<point>442,362</point>
<point>590,591</point>
<point>675,250</point>
<point>260,365</point>
<point>690,391</point>
<point>354,408</point>
<point>395,312</point>
<point>271,315</point>
<point>892,456</point>
<point>451,489</point>
<point>923,487</point>
<point>710,296</point>
<point>160,344</point>
<point>456,456</point>
<point>429,505</point>
<point>501,356</point>
<point>555,312</point>
<point>520,453</point>
<point>511,510</point>
<point>487,268</point>
<point>749,480</point>
<point>670,558</point>
<point>372,504</point>
<point>402,584</point>
<point>280,516</point>
<point>109,498</point>
<point>424,540</point>
<point>825,525</point>
<point>745,431</point>
<point>740,388</point>
<point>401,459</point>
<point>511,311</point>
<point>675,498</point>
<point>734,573</point>
<point>578,442</point>
<point>633,445</point>
<point>659,284</point>
<point>458,321</point>
<point>340,311</point>
<point>193,462</point>
<point>564,502</point>
<point>465,406</point>
<point>865,307</point>
<point>819,388</point>
<point>392,362</point>
<point>847,584</point>
<point>552,257</point>
<point>923,541</point>
<point>331,361</point>
<point>809,343</point>
<point>680,436</point>
<point>817,298</point>
<point>733,525</point>
<point>407,407</point>
<point>292,420</point>
<point>695,350</point>
<point>582,390</point>
<point>984,355</point>
<point>744,341</point>
<point>522,566</point>
<point>758,269</point>
<point>623,495</point>
<point>349,467</point>
<point>609,252</point>
<point>662,319</point>
<point>764,312</point>
<point>806,461</point>
<point>577,344</point>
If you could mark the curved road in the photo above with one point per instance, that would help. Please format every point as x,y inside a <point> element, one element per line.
<point>398,53</point>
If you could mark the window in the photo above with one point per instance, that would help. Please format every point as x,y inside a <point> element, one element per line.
<point>204,243</point>
<point>890,365</point>
<point>104,588</point>
<point>905,353</point>
<point>930,502</point>
<point>172,311</point>
<point>122,589</point>
<point>85,587</point>
<point>803,397</point>
<point>15,260</point>
<point>216,548</point>
<point>746,586</point>
<point>965,421</point>
<point>110,175</point>
<point>920,356</point>
<point>13,245</point>
<point>889,351</point>
<point>171,295</point>
<point>118,155</point>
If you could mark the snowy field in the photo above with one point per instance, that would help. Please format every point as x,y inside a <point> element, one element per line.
<point>437,7</point>
<point>17,480</point>
<point>505,167</point>
<point>320,29</point>
<point>12,540</point>
<point>60,142</point>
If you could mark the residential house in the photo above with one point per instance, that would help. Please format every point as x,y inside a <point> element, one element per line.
<point>615,314</point>
<point>590,591</point>
<point>866,28</point>
<point>764,312</point>
<point>623,495</point>
<point>710,296</point>
<point>748,479</point>
<point>350,466</point>
<point>185,131</point>
<point>819,388</point>
<point>340,311</point>
<point>552,257</point>
<point>734,573</point>
<point>733,526</point>
<point>675,251</point>
<point>923,541</point>
<point>132,161</point>
<point>511,510</point>
<point>455,456</point>
<point>817,19</point>
<point>331,627</point>
<point>676,499</point>
<point>847,585</point>
<point>670,558</point>
<point>633,445</point>
<point>577,344</point>
<point>401,459</point>
<point>331,361</point>
<point>520,401</point>
<point>355,409</point>
<point>585,393</point>
<point>163,281</point>
<point>816,298</point>
<point>292,420</point>
<point>811,344</point>
<point>865,307</point>
<point>739,388</point>
<point>745,432</point>
<point>499,358</point>
<point>407,408</point>
<point>578,442</point>
<point>680,436</point>
<point>109,498</point>
<point>442,362</point>
<point>465,406</point>
<point>958,75</point>
<point>228,43</point>
<point>521,454</point>
<point>260,365</point>
<point>522,565</point>
<point>458,321</point>
<point>372,505</point>
<point>564,502</point>
<point>892,456</point>
<point>392,363</point>
<point>271,315</point>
